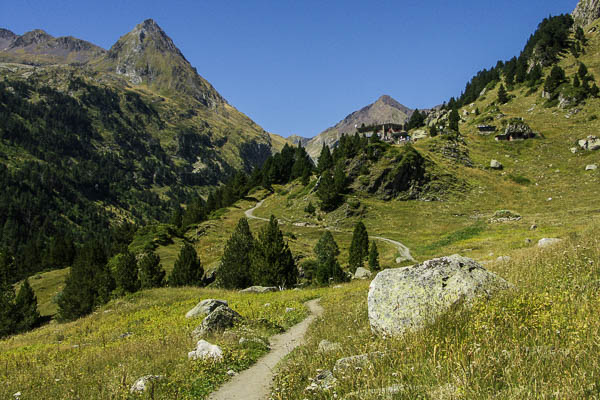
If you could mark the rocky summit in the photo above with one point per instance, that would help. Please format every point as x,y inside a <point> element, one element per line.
<point>586,12</point>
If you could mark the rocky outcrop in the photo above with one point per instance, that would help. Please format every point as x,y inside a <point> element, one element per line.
<point>516,130</point>
<point>590,143</point>
<point>406,299</point>
<point>586,12</point>
<point>220,319</point>
<point>205,307</point>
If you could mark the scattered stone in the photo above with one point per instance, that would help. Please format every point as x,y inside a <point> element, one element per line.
<point>217,321</point>
<point>387,393</point>
<point>337,287</point>
<point>231,373</point>
<point>591,167</point>
<point>533,227</point>
<point>362,273</point>
<point>503,259</point>
<point>142,383</point>
<point>244,342</point>
<point>574,150</point>
<point>505,216</point>
<point>545,242</point>
<point>590,143</point>
<point>406,299</point>
<point>259,289</point>
<point>347,365</point>
<point>325,346</point>
<point>17,396</point>
<point>125,335</point>
<point>528,241</point>
<point>324,381</point>
<point>289,309</point>
<point>206,351</point>
<point>205,307</point>
<point>267,305</point>
<point>495,164</point>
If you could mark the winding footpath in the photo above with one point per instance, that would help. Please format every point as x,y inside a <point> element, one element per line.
<point>402,249</point>
<point>255,382</point>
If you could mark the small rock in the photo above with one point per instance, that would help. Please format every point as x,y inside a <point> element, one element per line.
<point>244,341</point>
<point>325,346</point>
<point>125,335</point>
<point>142,383</point>
<point>545,242</point>
<point>503,259</point>
<point>259,289</point>
<point>347,365</point>
<point>289,309</point>
<point>574,150</point>
<point>17,395</point>
<point>337,287</point>
<point>591,167</point>
<point>205,307</point>
<point>220,319</point>
<point>495,164</point>
<point>324,381</point>
<point>267,305</point>
<point>528,241</point>
<point>533,227</point>
<point>231,373</point>
<point>362,273</point>
<point>206,351</point>
<point>590,143</point>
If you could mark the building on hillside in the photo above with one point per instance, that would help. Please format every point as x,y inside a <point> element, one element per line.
<point>485,129</point>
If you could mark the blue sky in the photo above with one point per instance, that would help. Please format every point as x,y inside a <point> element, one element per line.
<point>298,67</point>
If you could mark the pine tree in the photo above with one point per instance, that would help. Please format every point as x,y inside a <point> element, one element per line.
<point>88,284</point>
<point>453,119</point>
<point>325,159</point>
<point>576,82</point>
<point>327,193</point>
<point>328,267</point>
<point>187,270</point>
<point>554,80</point>
<point>234,271</point>
<point>125,273</point>
<point>502,95</point>
<point>359,247</point>
<point>340,181</point>
<point>582,71</point>
<point>272,263</point>
<point>26,308</point>
<point>433,132</point>
<point>374,257</point>
<point>8,323</point>
<point>151,273</point>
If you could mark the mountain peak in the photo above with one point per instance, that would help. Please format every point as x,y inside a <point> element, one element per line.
<point>35,36</point>
<point>147,55</point>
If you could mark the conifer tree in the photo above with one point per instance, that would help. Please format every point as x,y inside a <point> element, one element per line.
<point>234,271</point>
<point>125,272</point>
<point>433,132</point>
<point>187,270</point>
<point>26,308</point>
<point>325,159</point>
<point>373,257</point>
<point>340,181</point>
<point>272,263</point>
<point>582,71</point>
<point>88,284</point>
<point>151,273</point>
<point>359,247</point>
<point>554,80</point>
<point>328,267</point>
<point>453,119</point>
<point>8,321</point>
<point>327,193</point>
<point>502,95</point>
<point>576,82</point>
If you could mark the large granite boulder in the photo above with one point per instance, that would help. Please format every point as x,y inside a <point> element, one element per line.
<point>220,319</point>
<point>406,299</point>
<point>205,307</point>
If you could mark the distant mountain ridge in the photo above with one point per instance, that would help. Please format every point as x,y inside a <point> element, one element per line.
<point>384,110</point>
<point>39,47</point>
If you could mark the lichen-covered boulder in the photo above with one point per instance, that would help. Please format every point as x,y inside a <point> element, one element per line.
<point>206,351</point>
<point>205,307</point>
<point>259,289</point>
<point>220,319</point>
<point>408,298</point>
<point>362,273</point>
